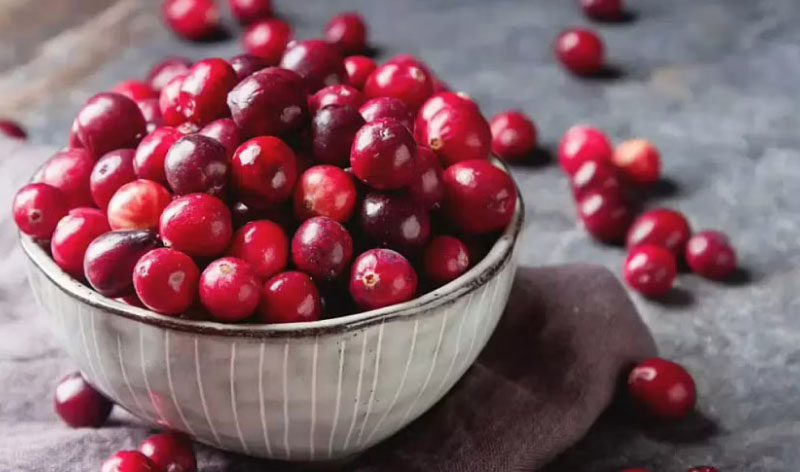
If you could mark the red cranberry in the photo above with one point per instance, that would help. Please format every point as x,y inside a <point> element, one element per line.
<point>405,82</point>
<point>263,172</point>
<point>197,164</point>
<point>427,187</point>
<point>513,135</point>
<point>204,90</point>
<point>135,90</point>
<point>166,281</point>
<point>226,133</point>
<point>271,102</point>
<point>163,72</point>
<point>710,254</point>
<point>151,112</point>
<point>148,162</point>
<point>639,161</point>
<point>268,40</point>
<point>410,60</point>
<point>387,107</point>
<point>445,259</point>
<point>318,62</point>
<point>662,388</point>
<point>580,51</point>
<point>660,227</point>
<point>129,461</point>
<point>111,172</point>
<point>70,171</point>
<point>382,277</point>
<point>348,32</point>
<point>596,175</point>
<point>384,155</point>
<point>322,248</point>
<point>248,11</point>
<point>607,10</point>
<point>229,289</point>
<point>335,95</point>
<point>137,205</point>
<point>290,297</point>
<point>358,68</point>
<point>333,131</point>
<point>12,129</point>
<point>479,197</point>
<point>443,100</point>
<point>246,64</point>
<point>439,85</point>
<point>606,215</point>
<point>74,140</point>
<point>395,220</point>
<point>170,452</point>
<point>110,258</point>
<point>187,217</point>
<point>263,245</point>
<point>650,270</point>
<point>73,235</point>
<point>110,121</point>
<point>79,404</point>
<point>168,101</point>
<point>191,19</point>
<point>324,191</point>
<point>703,468</point>
<point>458,134</point>
<point>580,144</point>
<point>37,208</point>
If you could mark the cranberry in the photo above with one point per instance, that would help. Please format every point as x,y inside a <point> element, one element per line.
<point>148,162</point>
<point>263,245</point>
<point>607,10</point>
<point>270,102</point>
<point>445,259</point>
<point>439,85</point>
<point>246,64</point>
<point>110,258</point>
<point>224,131</point>
<point>111,172</point>
<point>410,60</point>
<point>427,187</point>
<point>318,62</point>
<point>131,300</point>
<point>406,82</point>
<point>458,134</point>
<point>435,104</point>
<point>186,218</point>
<point>513,135</point>
<point>387,107</point>
<point>229,289</point>
<point>135,90</point>
<point>197,164</point>
<point>129,461</point>
<point>79,404</point>
<point>580,51</point>
<point>335,95</point>
<point>263,172</point>
<point>662,388</point>
<point>606,215</point>
<point>110,121</point>
<point>639,161</point>
<point>322,248</point>
<point>137,205</point>
<point>382,277</point>
<point>248,11</point>
<point>703,468</point>
<point>348,32</point>
<point>70,171</point>
<point>333,131</point>
<point>580,144</point>
<point>660,227</point>
<point>166,70</point>
<point>204,90</point>
<point>290,297</point>
<point>395,220</point>
<point>267,40</point>
<point>325,191</point>
<point>12,129</point>
<point>650,270</point>
<point>358,68</point>
<point>74,140</point>
<point>710,254</point>
<point>596,175</point>
<point>479,197</point>
<point>166,281</point>
<point>151,112</point>
<point>168,101</point>
<point>384,155</point>
<point>170,452</point>
<point>73,235</point>
<point>37,208</point>
<point>191,19</point>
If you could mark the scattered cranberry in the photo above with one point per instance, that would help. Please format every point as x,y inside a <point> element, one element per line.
<point>387,107</point>
<point>135,90</point>
<point>324,191</point>
<point>110,258</point>
<point>660,227</point>
<point>710,254</point>
<point>229,289</point>
<point>262,244</point>
<point>70,171</point>
<point>290,297</point>
<point>79,404</point>
<point>224,131</point>
<point>513,135</point>
<point>580,144</point>
<point>137,205</point>
<point>248,11</point>
<point>580,51</point>
<point>271,102</point>
<point>358,68</point>
<point>445,259</point>
<point>322,248</point>
<point>192,19</point>
<point>170,452</point>
<point>395,221</point>
<point>384,155</point>
<point>129,461</point>
<point>333,131</point>
<point>73,235</point>
<point>335,95</point>
<point>318,62</point>
<point>650,270</point>
<point>166,70</point>
<point>382,277</point>
<point>598,176</point>
<point>458,134</point>
<point>166,281</point>
<point>427,187</point>
<point>405,82</point>
<point>168,101</point>
<point>479,197</point>
<point>148,162</point>
<point>268,40</point>
<point>110,121</point>
<point>662,388</point>
<point>606,215</point>
<point>639,161</point>
<point>607,10</point>
<point>703,468</point>
<point>12,129</point>
<point>151,112</point>
<point>204,90</point>
<point>246,64</point>
<point>111,172</point>
<point>197,224</point>
<point>348,32</point>
<point>37,209</point>
<point>197,164</point>
<point>263,172</point>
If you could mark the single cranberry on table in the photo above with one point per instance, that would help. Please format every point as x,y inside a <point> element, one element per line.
<point>660,227</point>
<point>267,40</point>
<point>348,32</point>
<point>581,144</point>
<point>325,190</point>
<point>384,155</point>
<point>246,64</point>
<point>248,11</point>
<point>650,270</point>
<point>151,112</point>
<point>109,260</point>
<point>479,197</point>
<point>333,131</point>
<point>639,161</point>
<point>338,94</point>
<point>289,297</point>
<point>662,389</point>
<point>317,62</point>
<point>445,259</point>
<point>605,10</point>
<point>710,254</point>
<point>605,214</point>
<point>229,289</point>
<point>135,89</point>
<point>72,237</point>
<point>12,129</point>
<point>358,68</point>
<point>204,90</point>
<point>168,102</point>
<point>458,134</point>
<point>197,224</point>
<point>580,51</point>
<point>148,162</point>
<point>129,461</point>
<point>224,131</point>
<point>405,82</point>
<point>395,220</point>
<point>427,187</point>
<point>263,172</point>
<point>513,135</point>
<point>197,164</point>
<point>79,404</point>
<point>382,277</point>
<point>37,209</point>
<point>598,176</point>
<point>166,70</point>
<point>70,171</point>
<point>192,19</point>
<point>322,248</point>
<point>270,102</point>
<point>171,452</point>
<point>387,107</point>
<point>110,121</point>
<point>166,281</point>
<point>137,205</point>
<point>264,245</point>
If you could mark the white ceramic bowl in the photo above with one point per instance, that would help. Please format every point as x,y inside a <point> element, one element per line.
<point>305,391</point>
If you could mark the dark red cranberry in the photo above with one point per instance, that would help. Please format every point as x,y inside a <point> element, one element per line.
<point>348,32</point>
<point>204,90</point>
<point>382,277</point>
<point>358,68</point>
<point>110,258</point>
<point>137,205</point>
<point>387,107</point>
<point>639,161</point>
<point>166,281</point>
<point>662,388</point>
<point>170,452</point>
<point>267,40</point>
<point>650,270</point>
<point>129,461</point>
<point>263,172</point>
<point>606,10</point>
<point>427,188</point>
<point>513,135</point>
<point>580,51</point>
<point>325,191</point>
<point>405,82</point>
<point>197,164</point>
<point>166,70</point>
<point>79,404</point>
<point>710,254</point>
<point>580,144</point>
<point>131,300</point>
<point>322,248</point>
<point>271,102</point>
<point>395,221</point>
<point>37,209</point>
<point>660,227</point>
<point>110,121</point>
<point>229,289</point>
<point>188,217</point>
<point>606,215</point>
<point>246,64</point>
<point>111,172</point>
<point>135,90</point>
<point>445,259</point>
<point>248,11</point>
<point>335,95</point>
<point>73,235</point>
<point>437,103</point>
<point>70,171</point>
<point>224,131</point>
<point>168,101</point>
<point>479,197</point>
<point>151,112</point>
<point>384,155</point>
<point>12,129</point>
<point>191,19</point>
<point>262,244</point>
<point>458,134</point>
<point>290,297</point>
<point>703,468</point>
<point>148,162</point>
<point>74,140</point>
<point>596,176</point>
<point>318,62</point>
<point>333,131</point>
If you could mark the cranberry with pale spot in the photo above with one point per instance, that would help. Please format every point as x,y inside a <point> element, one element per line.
<point>358,68</point>
<point>110,258</point>
<point>596,176</point>
<point>581,144</point>
<point>710,254</point>
<point>406,82</point>
<point>580,51</point>
<point>395,220</point>
<point>135,90</point>
<point>348,32</point>
<point>204,90</point>
<point>129,461</point>
<point>267,40</point>
<point>70,171</point>
<point>605,214</point>
<point>263,172</point>
<point>427,187</point>
<point>197,164</point>
<point>168,101</point>
<point>662,389</point>
<point>513,135</point>
<point>137,205</point>
<point>171,452</point>
<point>479,197</point>
<point>322,248</point>
<point>445,259</point>
<point>443,100</point>
<point>189,216</point>
<point>166,281</point>
<point>650,270</point>
<point>224,131</point>
<point>73,235</point>
<point>662,227</point>
<point>37,209</point>
<point>246,64</point>
<point>289,297</point>
<point>148,162</point>
<point>191,19</point>
<point>333,131</point>
<point>458,134</point>
<point>335,95</point>
<point>639,161</point>
<point>270,102</point>
<point>166,70</point>
<point>319,63</point>
<point>325,190</point>
<point>12,129</point>
<point>248,11</point>
<point>264,245</point>
<point>110,121</point>
<point>382,277</point>
<point>229,289</point>
<point>79,404</point>
<point>387,107</point>
<point>384,155</point>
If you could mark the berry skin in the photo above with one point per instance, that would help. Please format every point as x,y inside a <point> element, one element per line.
<point>79,404</point>
<point>710,254</point>
<point>598,176</point>
<point>246,64</point>
<point>148,162</point>
<point>129,461</point>
<point>169,68</point>
<point>479,197</point>
<point>605,10</point>
<point>581,144</point>
<point>263,172</point>
<point>229,289</point>
<point>358,69</point>
<point>427,187</point>
<point>289,297</point>
<point>196,214</point>
<point>225,132</point>
<point>170,452</point>
<point>70,171</point>
<point>384,155</point>
<point>395,221</point>
<point>191,19</point>
<point>513,135</point>
<point>335,95</point>
<point>72,237</point>
<point>325,191</point>
<point>660,227</point>
<point>204,90</point>
<point>270,102</point>
<point>445,259</point>
<point>166,281</point>
<point>262,244</point>
<point>606,215</point>
<point>580,51</point>
<point>405,82</point>
<point>387,107</point>
<point>197,164</point>
<point>267,39</point>
<point>440,101</point>
<point>135,90</point>
<point>382,277</point>
<point>109,121</point>
<point>650,270</point>
<point>458,134</point>
<point>348,32</point>
<point>333,131</point>
<point>109,260</point>
<point>37,209</point>
<point>639,161</point>
<point>662,388</point>
<point>322,248</point>
<point>248,11</point>
<point>137,205</point>
<point>319,63</point>
<point>168,101</point>
<point>151,112</point>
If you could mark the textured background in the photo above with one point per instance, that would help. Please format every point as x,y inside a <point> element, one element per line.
<point>714,84</point>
